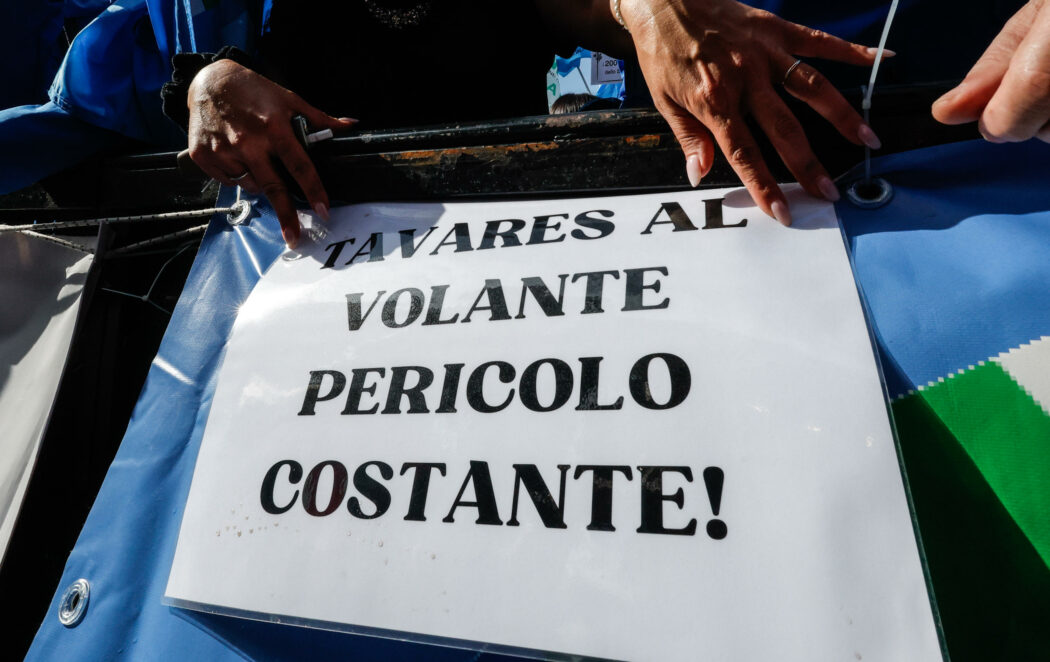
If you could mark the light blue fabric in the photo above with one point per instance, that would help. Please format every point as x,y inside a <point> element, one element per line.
<point>181,26</point>
<point>112,75</point>
<point>956,268</point>
<point>611,90</point>
<point>36,141</point>
<point>107,90</point>
<point>565,66</point>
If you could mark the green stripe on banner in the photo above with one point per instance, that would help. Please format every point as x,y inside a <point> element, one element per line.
<point>991,586</point>
<point>1007,434</point>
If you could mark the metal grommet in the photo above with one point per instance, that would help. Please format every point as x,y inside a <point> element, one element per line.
<point>870,194</point>
<point>239,212</point>
<point>74,603</point>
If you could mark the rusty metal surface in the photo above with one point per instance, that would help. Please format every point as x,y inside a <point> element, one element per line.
<point>579,154</point>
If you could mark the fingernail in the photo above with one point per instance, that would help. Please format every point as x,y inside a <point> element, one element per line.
<point>872,50</point>
<point>348,120</point>
<point>868,137</point>
<point>780,212</point>
<point>828,188</point>
<point>321,210</point>
<point>986,135</point>
<point>692,170</point>
<point>291,237</point>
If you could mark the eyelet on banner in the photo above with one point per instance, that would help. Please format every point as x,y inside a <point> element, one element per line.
<point>74,603</point>
<point>870,194</point>
<point>239,212</point>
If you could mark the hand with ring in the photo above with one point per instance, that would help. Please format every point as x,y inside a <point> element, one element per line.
<point>708,63</point>
<point>240,129</point>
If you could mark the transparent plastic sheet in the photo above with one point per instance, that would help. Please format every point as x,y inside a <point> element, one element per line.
<point>552,585</point>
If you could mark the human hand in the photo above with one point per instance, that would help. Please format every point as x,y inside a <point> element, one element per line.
<point>1008,91</point>
<point>710,62</point>
<point>240,127</point>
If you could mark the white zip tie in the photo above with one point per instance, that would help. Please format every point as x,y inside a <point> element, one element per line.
<point>866,104</point>
<point>866,199</point>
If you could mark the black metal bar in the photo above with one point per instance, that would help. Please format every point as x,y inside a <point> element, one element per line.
<point>579,154</point>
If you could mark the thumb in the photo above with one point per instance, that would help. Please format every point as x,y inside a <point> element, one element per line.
<point>698,145</point>
<point>966,102</point>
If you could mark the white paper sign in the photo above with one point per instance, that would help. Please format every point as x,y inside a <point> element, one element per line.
<point>604,69</point>
<point>645,427</point>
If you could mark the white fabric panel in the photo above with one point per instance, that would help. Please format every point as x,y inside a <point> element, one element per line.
<point>1029,365</point>
<point>40,290</point>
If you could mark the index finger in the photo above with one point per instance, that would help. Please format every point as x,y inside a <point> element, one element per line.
<point>745,158</point>
<point>276,192</point>
<point>301,168</point>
